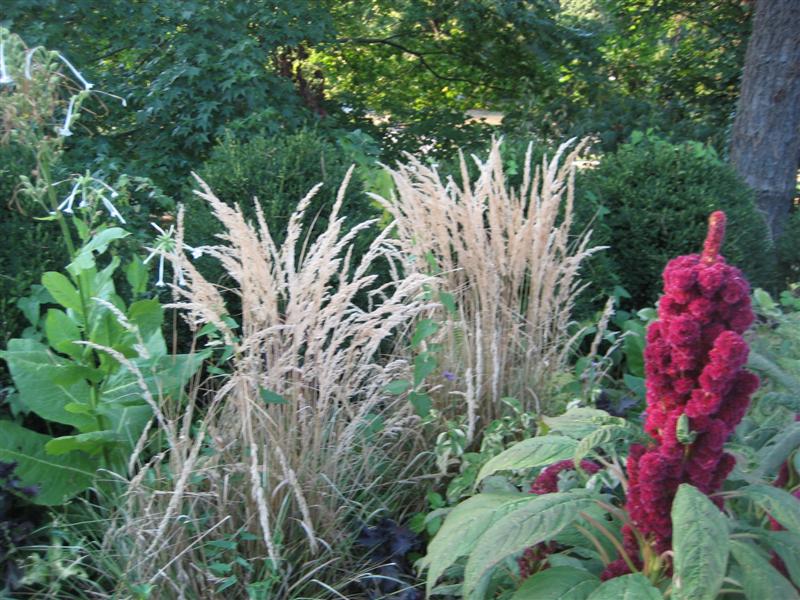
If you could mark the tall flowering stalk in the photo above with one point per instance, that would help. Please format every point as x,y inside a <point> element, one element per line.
<point>697,392</point>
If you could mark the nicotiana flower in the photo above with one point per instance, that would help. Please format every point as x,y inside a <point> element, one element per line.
<point>5,78</point>
<point>90,186</point>
<point>86,84</point>
<point>166,244</point>
<point>64,130</point>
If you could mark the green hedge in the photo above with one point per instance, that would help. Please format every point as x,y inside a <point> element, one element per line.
<point>279,171</point>
<point>650,200</point>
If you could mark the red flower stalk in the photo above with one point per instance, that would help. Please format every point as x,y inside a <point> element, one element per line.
<point>697,388</point>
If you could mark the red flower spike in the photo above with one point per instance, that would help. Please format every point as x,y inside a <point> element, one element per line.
<point>694,366</point>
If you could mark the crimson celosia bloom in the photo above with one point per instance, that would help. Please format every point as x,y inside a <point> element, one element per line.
<point>697,388</point>
<point>547,481</point>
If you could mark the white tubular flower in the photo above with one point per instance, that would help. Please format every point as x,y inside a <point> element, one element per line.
<point>112,210</point>
<point>5,78</point>
<point>165,243</point>
<point>66,205</point>
<point>86,84</point>
<point>29,60</point>
<point>65,131</point>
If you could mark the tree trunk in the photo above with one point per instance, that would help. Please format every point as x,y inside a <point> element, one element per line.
<point>765,141</point>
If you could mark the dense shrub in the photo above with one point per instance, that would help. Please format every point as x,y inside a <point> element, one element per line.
<point>279,171</point>
<point>788,250</point>
<point>649,201</point>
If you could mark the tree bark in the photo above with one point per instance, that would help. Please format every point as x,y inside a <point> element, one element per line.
<point>765,141</point>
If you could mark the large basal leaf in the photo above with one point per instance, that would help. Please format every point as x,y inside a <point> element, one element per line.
<point>700,546</point>
<point>57,477</point>
<point>461,529</point>
<point>577,423</point>
<point>530,453</point>
<point>780,504</point>
<point>533,522</point>
<point>760,580</point>
<point>557,583</point>
<point>87,442</point>
<point>62,290</point>
<point>627,587</point>
<point>36,372</point>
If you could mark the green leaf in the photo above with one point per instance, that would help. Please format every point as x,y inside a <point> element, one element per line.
<point>774,453</point>
<point>786,545</point>
<point>147,315</point>
<point>557,583</point>
<point>627,587</point>
<point>700,545</point>
<point>608,434</point>
<point>425,328</point>
<point>58,477</point>
<point>271,397</point>
<point>578,423</point>
<point>531,453</point>
<point>397,387</point>
<point>136,275</point>
<point>424,365</point>
<point>99,243</point>
<point>539,519</point>
<point>779,504</point>
<point>461,529</point>
<point>449,302</point>
<point>36,372</point>
<point>421,402</point>
<point>87,442</point>
<point>760,579</point>
<point>62,333</point>
<point>62,290</point>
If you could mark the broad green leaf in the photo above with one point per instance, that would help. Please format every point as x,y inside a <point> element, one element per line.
<point>58,477</point>
<point>397,387</point>
<point>557,583</point>
<point>62,333</point>
<point>627,587</point>
<point>760,579</point>
<point>530,453</point>
<point>577,423</point>
<point>775,452</point>
<point>787,546</point>
<point>99,243</point>
<point>461,529</point>
<point>425,328</point>
<point>271,397</point>
<point>606,434</point>
<point>421,402</point>
<point>62,290</point>
<point>86,442</point>
<point>700,545</point>
<point>36,371</point>
<point>136,275</point>
<point>147,315</point>
<point>539,519</point>
<point>779,504</point>
<point>424,365</point>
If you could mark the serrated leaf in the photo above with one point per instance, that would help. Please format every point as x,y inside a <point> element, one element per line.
<point>424,329</point>
<point>424,365</point>
<point>530,453</point>
<point>700,545</point>
<point>760,579</point>
<point>557,583</point>
<point>397,387</point>
<point>421,402</point>
<point>539,519</point>
<point>271,397</point>
<point>627,587</point>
